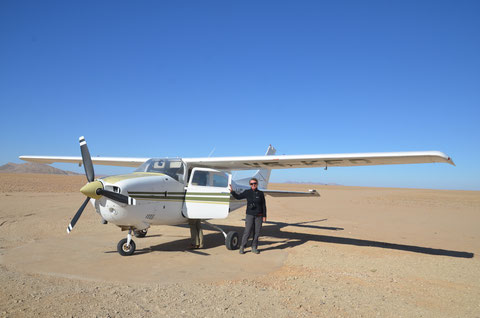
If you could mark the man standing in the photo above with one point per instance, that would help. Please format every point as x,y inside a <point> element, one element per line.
<point>256,213</point>
<point>196,233</point>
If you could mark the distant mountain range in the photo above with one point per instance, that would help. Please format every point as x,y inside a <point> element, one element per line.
<point>31,167</point>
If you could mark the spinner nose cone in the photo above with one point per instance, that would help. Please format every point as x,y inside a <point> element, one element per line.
<point>90,189</point>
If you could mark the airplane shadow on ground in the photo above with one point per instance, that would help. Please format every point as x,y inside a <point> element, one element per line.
<point>292,239</point>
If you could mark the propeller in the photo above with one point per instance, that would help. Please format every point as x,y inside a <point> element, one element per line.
<point>77,215</point>
<point>94,189</point>
<point>87,160</point>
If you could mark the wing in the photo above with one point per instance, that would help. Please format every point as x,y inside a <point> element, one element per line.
<point>280,193</point>
<point>272,162</point>
<point>325,160</point>
<point>106,161</point>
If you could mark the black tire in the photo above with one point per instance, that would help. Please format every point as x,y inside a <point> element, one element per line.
<point>232,241</point>
<point>140,233</point>
<point>123,249</point>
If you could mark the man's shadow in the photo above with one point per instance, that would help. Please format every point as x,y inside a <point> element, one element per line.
<point>291,239</point>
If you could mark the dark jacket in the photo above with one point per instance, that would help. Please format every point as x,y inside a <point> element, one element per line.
<point>252,196</point>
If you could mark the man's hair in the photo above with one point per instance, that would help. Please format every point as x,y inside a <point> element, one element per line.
<point>255,179</point>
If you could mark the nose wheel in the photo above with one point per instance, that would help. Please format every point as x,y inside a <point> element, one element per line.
<point>126,246</point>
<point>126,249</point>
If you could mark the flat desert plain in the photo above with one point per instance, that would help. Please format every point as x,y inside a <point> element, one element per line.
<point>352,252</point>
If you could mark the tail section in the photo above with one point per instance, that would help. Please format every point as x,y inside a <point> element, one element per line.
<point>262,175</point>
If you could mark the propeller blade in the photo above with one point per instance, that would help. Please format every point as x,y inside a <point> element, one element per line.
<point>87,160</point>
<point>117,197</point>
<point>77,215</point>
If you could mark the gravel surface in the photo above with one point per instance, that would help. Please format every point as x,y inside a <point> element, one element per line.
<point>353,252</point>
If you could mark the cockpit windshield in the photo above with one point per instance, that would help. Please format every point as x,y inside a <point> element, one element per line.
<point>171,167</point>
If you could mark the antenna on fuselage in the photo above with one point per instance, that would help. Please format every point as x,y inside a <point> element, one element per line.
<point>211,152</point>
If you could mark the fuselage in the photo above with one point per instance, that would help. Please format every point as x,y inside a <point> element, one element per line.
<point>159,187</point>
<point>159,200</point>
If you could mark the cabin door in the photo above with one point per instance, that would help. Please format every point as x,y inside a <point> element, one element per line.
<point>207,194</point>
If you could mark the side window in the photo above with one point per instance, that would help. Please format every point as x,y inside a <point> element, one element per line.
<point>180,172</point>
<point>210,179</point>
<point>220,180</point>
<point>200,178</point>
<point>175,170</point>
<point>157,166</point>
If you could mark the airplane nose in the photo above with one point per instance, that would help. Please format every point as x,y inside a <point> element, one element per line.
<point>90,189</point>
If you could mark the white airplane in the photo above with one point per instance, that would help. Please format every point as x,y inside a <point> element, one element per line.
<point>169,191</point>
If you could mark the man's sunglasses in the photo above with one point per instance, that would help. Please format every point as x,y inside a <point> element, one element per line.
<point>253,183</point>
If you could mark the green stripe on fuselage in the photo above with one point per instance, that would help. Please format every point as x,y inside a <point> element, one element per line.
<point>192,198</point>
<point>207,199</point>
<point>178,193</point>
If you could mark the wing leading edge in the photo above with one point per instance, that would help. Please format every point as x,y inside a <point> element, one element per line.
<point>323,160</point>
<point>106,161</point>
<point>272,162</point>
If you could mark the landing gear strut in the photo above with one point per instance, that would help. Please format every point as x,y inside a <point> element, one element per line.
<point>126,246</point>
<point>231,238</point>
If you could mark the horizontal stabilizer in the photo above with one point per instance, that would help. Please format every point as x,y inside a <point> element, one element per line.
<point>280,193</point>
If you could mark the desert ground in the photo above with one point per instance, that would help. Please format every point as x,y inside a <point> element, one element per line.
<point>352,252</point>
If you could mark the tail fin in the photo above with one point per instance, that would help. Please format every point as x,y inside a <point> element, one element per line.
<point>262,175</point>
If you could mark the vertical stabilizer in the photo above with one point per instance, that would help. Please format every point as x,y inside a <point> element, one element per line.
<point>262,175</point>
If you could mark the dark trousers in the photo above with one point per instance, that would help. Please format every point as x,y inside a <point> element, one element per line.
<point>252,223</point>
<point>196,232</point>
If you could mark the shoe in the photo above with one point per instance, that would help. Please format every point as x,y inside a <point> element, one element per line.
<point>255,251</point>
<point>241,251</point>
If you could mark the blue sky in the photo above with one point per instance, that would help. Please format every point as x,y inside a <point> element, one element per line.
<point>179,78</point>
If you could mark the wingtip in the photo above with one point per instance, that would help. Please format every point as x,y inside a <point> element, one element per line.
<point>444,158</point>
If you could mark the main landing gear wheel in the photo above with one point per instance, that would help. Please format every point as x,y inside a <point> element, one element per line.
<point>124,249</point>
<point>231,240</point>
<point>140,233</point>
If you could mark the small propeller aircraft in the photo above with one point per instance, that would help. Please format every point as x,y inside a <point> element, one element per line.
<point>169,191</point>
